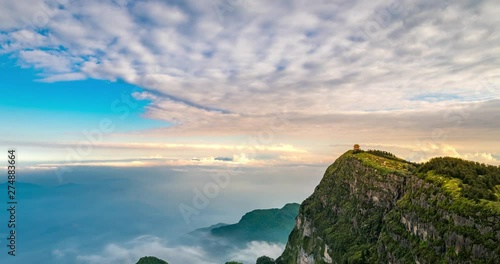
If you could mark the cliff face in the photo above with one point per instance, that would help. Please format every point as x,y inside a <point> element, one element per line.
<point>376,208</point>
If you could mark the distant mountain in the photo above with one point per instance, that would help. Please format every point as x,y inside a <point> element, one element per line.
<point>151,260</point>
<point>206,229</point>
<point>373,207</point>
<point>270,225</point>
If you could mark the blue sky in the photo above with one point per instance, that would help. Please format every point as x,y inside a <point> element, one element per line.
<point>228,79</point>
<point>66,107</point>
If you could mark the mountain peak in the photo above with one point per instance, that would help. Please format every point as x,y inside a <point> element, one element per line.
<point>289,206</point>
<point>373,207</point>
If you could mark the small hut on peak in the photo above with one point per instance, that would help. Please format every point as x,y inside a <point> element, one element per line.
<point>356,148</point>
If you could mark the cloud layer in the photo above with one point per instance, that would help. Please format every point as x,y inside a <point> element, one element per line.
<point>131,251</point>
<point>224,68</point>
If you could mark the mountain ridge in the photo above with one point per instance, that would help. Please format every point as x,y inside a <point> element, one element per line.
<point>270,225</point>
<point>374,207</point>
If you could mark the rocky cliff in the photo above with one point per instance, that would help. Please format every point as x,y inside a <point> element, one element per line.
<point>372,207</point>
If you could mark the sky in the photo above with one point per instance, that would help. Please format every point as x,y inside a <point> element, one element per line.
<point>136,83</point>
<point>145,91</point>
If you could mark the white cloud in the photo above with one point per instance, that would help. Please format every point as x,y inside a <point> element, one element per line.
<point>64,77</point>
<point>131,251</point>
<point>22,39</point>
<point>159,13</point>
<point>16,14</point>
<point>47,60</point>
<point>427,151</point>
<point>341,71</point>
<point>311,47</point>
<point>256,249</point>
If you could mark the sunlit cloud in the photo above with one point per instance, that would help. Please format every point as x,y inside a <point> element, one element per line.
<point>379,72</point>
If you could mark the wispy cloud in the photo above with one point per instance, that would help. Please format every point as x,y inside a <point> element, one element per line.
<point>338,71</point>
<point>403,48</point>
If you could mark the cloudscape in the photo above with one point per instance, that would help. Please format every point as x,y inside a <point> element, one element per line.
<point>172,96</point>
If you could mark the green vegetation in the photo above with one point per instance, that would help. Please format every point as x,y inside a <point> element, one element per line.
<point>384,161</point>
<point>151,260</point>
<point>385,154</point>
<point>265,260</point>
<point>373,207</point>
<point>271,225</point>
<point>260,260</point>
<point>476,181</point>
